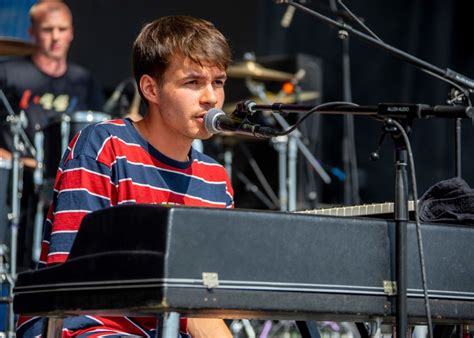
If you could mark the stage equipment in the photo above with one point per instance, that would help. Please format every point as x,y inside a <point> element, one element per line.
<point>21,145</point>
<point>389,114</point>
<point>462,86</point>
<point>282,265</point>
<point>272,97</point>
<point>251,69</point>
<point>16,47</point>
<point>286,147</point>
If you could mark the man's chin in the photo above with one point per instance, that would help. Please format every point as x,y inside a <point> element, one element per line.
<point>56,55</point>
<point>205,136</point>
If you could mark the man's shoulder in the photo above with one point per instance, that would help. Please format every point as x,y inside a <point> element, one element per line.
<point>92,139</point>
<point>15,61</point>
<point>76,70</point>
<point>16,64</point>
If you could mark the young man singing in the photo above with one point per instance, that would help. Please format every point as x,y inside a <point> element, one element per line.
<point>179,64</point>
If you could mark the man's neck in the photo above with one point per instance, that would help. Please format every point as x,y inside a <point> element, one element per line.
<point>50,66</point>
<point>166,144</point>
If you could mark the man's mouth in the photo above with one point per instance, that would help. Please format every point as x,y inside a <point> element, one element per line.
<point>200,117</point>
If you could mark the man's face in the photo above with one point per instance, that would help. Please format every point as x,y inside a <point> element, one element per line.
<point>186,92</point>
<point>53,34</point>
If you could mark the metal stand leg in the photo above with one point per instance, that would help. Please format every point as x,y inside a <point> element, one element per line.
<point>401,219</point>
<point>168,325</point>
<point>260,176</point>
<point>54,327</point>
<point>308,329</point>
<point>228,162</point>
<point>280,146</point>
<point>292,168</point>
<point>38,231</point>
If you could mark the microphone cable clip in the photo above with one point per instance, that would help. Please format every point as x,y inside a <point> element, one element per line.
<point>243,109</point>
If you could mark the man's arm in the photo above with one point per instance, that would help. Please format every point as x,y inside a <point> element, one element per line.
<point>208,328</point>
<point>27,161</point>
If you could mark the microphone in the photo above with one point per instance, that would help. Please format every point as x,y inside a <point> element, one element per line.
<point>216,121</point>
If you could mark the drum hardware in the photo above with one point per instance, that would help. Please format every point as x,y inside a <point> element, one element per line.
<point>287,179</point>
<point>113,101</point>
<point>272,97</point>
<point>134,109</point>
<point>271,203</point>
<point>21,145</point>
<point>6,287</point>
<point>226,142</point>
<point>16,47</point>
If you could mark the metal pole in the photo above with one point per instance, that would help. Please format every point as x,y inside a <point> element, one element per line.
<point>168,325</point>
<point>280,144</point>
<point>292,177</point>
<point>457,148</point>
<point>401,220</point>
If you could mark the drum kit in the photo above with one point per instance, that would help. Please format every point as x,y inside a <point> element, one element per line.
<point>50,143</point>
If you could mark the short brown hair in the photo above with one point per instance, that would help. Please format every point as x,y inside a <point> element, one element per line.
<point>47,6</point>
<point>169,36</point>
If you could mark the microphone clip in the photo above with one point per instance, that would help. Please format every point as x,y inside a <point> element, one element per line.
<point>244,109</point>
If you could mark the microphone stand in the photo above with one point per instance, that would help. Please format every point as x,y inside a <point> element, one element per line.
<point>460,82</point>
<point>400,217</point>
<point>405,114</point>
<point>349,158</point>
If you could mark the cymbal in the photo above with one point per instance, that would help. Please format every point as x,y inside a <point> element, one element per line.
<point>15,47</point>
<point>254,70</point>
<point>287,98</point>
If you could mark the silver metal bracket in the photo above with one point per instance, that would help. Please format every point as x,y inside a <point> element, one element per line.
<point>390,287</point>
<point>210,279</point>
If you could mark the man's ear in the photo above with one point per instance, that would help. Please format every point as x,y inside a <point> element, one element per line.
<point>149,88</point>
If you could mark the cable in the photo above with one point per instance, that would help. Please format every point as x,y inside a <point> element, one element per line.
<point>417,220</point>
<point>313,110</point>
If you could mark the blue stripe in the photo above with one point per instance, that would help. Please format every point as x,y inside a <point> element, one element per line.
<point>62,242</point>
<point>88,163</point>
<point>80,200</point>
<point>80,322</point>
<point>31,329</point>
<point>176,182</point>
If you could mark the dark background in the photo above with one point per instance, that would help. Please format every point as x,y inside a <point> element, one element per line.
<point>437,31</point>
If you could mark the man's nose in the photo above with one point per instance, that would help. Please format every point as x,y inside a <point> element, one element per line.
<point>55,33</point>
<point>209,96</point>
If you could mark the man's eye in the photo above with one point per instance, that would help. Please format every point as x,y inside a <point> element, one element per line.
<point>192,82</point>
<point>219,83</point>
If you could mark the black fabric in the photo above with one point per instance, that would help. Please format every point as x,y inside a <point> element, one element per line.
<point>449,201</point>
<point>43,97</point>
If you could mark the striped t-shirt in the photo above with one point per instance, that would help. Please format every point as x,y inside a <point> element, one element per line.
<point>108,164</point>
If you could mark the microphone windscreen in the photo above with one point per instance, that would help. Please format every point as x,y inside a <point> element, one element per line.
<point>210,118</point>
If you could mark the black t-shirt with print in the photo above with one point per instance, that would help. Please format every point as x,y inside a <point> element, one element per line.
<point>43,97</point>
